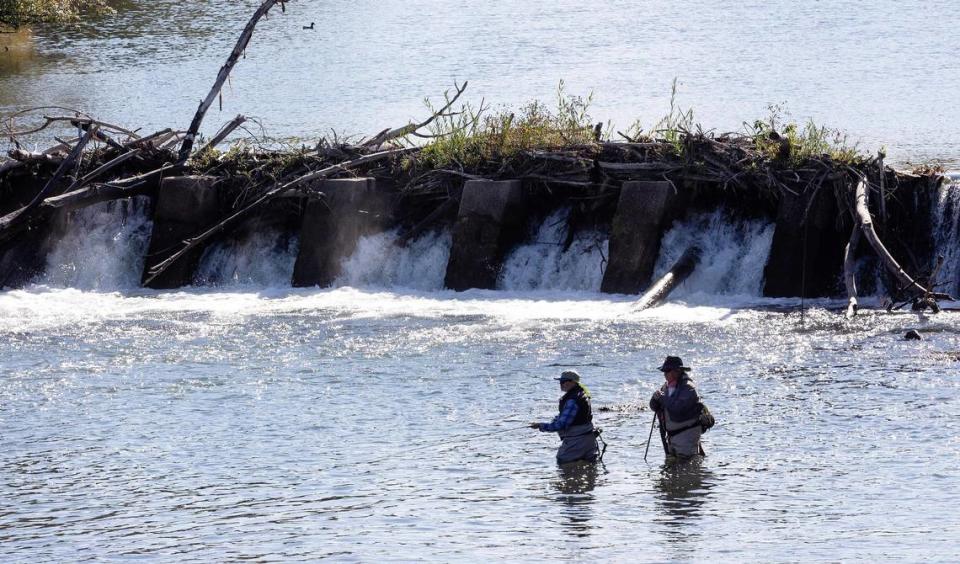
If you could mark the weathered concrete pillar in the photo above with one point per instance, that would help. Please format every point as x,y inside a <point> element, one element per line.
<point>785,274</point>
<point>186,206</point>
<point>490,222</point>
<point>635,238</point>
<point>332,225</point>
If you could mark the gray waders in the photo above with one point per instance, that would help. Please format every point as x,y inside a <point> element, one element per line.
<point>578,442</point>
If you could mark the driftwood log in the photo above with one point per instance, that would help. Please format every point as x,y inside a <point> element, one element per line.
<point>679,272</point>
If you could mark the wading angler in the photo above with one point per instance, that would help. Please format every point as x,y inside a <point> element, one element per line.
<point>682,416</point>
<point>574,423</point>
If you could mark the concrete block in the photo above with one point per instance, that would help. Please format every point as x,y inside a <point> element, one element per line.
<point>186,206</point>
<point>489,223</point>
<point>818,238</point>
<point>332,224</point>
<point>638,224</point>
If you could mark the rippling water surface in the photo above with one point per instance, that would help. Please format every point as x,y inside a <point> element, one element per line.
<point>363,425</point>
<point>886,72</point>
<point>388,423</point>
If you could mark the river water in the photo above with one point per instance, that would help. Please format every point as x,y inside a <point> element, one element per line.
<point>384,419</point>
<point>884,72</point>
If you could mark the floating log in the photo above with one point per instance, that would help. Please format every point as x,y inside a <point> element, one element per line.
<point>679,272</point>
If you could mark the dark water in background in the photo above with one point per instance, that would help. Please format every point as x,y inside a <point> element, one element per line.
<point>383,423</point>
<point>884,72</point>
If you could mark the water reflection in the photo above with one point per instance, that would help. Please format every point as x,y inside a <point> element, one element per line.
<point>16,50</point>
<point>574,483</point>
<point>683,489</point>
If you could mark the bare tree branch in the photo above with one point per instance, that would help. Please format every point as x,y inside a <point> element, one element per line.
<point>226,130</point>
<point>411,128</point>
<point>238,50</point>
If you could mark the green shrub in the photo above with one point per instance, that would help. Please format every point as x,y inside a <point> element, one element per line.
<point>472,137</point>
<point>796,144</point>
<point>20,12</point>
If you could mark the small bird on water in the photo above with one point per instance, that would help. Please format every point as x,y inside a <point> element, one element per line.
<point>308,26</point>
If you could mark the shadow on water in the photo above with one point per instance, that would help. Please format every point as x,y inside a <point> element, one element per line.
<point>574,485</point>
<point>683,488</point>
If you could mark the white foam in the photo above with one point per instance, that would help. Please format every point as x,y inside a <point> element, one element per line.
<point>264,259</point>
<point>379,262</point>
<point>102,248</point>
<point>42,307</point>
<point>734,254</point>
<point>543,264</point>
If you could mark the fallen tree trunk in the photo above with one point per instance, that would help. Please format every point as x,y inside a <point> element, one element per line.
<point>866,225</point>
<point>666,284</point>
<point>849,274</point>
<point>140,185</point>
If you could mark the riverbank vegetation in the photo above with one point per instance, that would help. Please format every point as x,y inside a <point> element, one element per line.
<point>17,13</point>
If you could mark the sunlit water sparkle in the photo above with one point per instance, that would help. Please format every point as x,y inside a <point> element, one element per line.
<point>381,419</point>
<point>289,424</point>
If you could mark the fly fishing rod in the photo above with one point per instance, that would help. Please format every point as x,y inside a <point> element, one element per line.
<point>434,445</point>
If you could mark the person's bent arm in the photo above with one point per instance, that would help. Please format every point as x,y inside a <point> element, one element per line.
<point>562,421</point>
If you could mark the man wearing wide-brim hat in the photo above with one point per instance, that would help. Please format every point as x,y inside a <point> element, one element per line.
<point>574,423</point>
<point>678,407</point>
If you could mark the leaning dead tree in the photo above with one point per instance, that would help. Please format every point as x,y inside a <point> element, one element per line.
<point>235,54</point>
<point>865,223</point>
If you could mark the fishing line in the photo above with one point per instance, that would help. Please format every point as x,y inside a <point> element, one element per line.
<point>460,440</point>
<point>446,442</point>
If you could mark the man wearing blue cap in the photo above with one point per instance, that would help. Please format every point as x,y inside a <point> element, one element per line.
<point>678,408</point>
<point>574,423</point>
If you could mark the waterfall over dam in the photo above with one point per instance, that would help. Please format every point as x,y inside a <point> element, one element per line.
<point>103,248</point>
